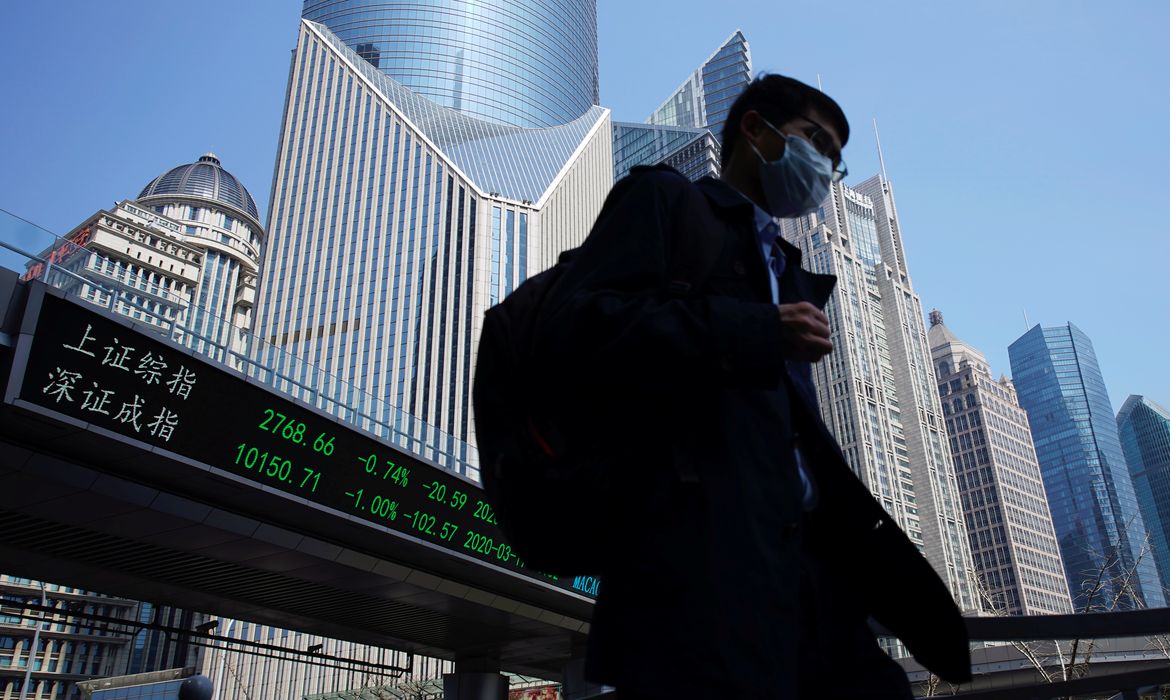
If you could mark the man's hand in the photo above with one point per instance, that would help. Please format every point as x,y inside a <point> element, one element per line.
<point>806,332</point>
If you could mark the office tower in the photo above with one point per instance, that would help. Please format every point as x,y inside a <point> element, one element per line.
<point>877,389</point>
<point>182,257</point>
<point>241,673</point>
<point>1144,428</point>
<point>692,152</point>
<point>1013,544</point>
<point>1101,531</point>
<point>430,159</point>
<point>370,53</point>
<point>71,647</point>
<point>396,221</point>
<point>704,98</point>
<point>517,63</point>
<point>686,130</point>
<point>90,635</point>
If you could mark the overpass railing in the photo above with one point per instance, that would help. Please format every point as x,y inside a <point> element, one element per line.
<point>1123,655</point>
<point>38,253</point>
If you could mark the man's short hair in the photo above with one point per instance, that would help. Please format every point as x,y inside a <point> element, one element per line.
<point>778,99</point>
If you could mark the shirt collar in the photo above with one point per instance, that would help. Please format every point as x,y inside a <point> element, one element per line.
<point>722,194</point>
<point>766,226</point>
<point>725,196</point>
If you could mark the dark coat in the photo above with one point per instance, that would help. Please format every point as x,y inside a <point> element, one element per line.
<point>696,397</point>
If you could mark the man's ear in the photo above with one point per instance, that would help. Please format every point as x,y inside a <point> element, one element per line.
<point>750,124</point>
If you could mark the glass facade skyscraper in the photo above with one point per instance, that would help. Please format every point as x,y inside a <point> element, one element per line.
<point>684,132</point>
<point>1009,526</point>
<point>705,97</point>
<point>1090,493</point>
<point>396,222</point>
<point>1144,428</point>
<point>692,152</point>
<point>431,157</point>
<point>877,390</point>
<point>507,61</point>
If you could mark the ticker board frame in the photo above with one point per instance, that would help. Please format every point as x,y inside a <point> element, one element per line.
<point>330,523</point>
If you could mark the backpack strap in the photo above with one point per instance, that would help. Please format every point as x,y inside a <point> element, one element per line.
<point>698,242</point>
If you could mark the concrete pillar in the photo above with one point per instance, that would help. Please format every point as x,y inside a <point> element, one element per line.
<point>475,686</point>
<point>475,678</point>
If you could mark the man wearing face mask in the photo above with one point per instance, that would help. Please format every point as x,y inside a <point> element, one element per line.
<point>747,557</point>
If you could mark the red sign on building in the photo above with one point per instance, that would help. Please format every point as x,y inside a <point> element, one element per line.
<point>61,253</point>
<point>543,692</point>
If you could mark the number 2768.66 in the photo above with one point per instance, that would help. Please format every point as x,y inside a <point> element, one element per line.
<point>289,429</point>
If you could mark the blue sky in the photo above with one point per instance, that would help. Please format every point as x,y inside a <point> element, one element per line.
<point>1024,139</point>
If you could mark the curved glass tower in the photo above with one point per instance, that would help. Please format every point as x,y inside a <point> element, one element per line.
<point>508,61</point>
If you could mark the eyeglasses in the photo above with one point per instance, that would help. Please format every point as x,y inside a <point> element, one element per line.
<point>821,140</point>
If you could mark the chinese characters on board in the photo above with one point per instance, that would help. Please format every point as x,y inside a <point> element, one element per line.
<point>69,384</point>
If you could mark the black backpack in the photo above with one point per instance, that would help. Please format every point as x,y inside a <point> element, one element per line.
<point>544,494</point>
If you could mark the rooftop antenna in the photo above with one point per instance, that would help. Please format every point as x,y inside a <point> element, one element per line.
<point>1027,325</point>
<point>819,86</point>
<point>881,159</point>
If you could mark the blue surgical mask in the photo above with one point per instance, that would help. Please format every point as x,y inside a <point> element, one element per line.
<point>797,182</point>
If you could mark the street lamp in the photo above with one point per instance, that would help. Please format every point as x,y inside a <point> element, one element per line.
<point>217,689</point>
<point>206,627</point>
<point>36,641</point>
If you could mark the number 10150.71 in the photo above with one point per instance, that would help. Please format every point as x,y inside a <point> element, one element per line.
<point>276,467</point>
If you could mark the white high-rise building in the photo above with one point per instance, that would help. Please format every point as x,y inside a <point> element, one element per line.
<point>395,223</point>
<point>877,389</point>
<point>242,673</point>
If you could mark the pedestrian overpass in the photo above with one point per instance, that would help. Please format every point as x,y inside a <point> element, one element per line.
<point>142,459</point>
<point>133,464</point>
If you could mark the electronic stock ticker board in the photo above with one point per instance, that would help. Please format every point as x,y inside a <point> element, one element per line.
<point>87,366</point>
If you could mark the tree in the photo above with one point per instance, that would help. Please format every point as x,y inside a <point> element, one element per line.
<point>1110,587</point>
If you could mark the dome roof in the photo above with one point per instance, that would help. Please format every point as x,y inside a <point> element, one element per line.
<point>939,334</point>
<point>205,179</point>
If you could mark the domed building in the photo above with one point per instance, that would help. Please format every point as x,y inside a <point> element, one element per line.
<point>219,219</point>
<point>205,179</point>
<point>182,257</point>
